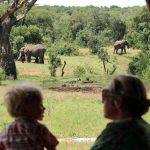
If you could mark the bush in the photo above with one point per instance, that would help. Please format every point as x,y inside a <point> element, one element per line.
<point>18,42</point>
<point>54,62</point>
<point>79,71</point>
<point>103,54</point>
<point>146,74</point>
<point>2,75</point>
<point>89,69</point>
<point>68,49</point>
<point>31,34</point>
<point>94,44</point>
<point>140,63</point>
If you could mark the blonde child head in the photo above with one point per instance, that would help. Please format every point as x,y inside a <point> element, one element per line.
<point>23,98</point>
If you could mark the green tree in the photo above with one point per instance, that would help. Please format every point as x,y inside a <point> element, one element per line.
<point>94,44</point>
<point>140,63</point>
<point>33,35</point>
<point>17,43</point>
<point>15,12</point>
<point>118,28</point>
<point>54,62</point>
<point>103,56</point>
<point>79,71</point>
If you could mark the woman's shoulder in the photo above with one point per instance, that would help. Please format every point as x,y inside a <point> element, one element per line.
<point>130,134</point>
<point>129,128</point>
<point>134,122</point>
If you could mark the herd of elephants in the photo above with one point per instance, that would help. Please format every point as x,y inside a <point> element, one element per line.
<point>38,51</point>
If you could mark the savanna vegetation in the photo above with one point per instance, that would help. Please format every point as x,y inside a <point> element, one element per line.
<point>63,30</point>
<point>79,43</point>
<point>77,113</point>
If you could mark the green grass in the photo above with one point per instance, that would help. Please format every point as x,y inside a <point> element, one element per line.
<point>70,114</point>
<point>81,114</point>
<point>40,73</point>
<point>74,145</point>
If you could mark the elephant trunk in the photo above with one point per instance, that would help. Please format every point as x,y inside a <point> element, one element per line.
<point>21,57</point>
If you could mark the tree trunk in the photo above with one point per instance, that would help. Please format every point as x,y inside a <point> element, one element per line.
<point>62,71</point>
<point>104,66</point>
<point>16,11</point>
<point>6,56</point>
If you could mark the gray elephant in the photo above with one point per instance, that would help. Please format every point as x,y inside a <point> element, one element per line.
<point>36,51</point>
<point>121,44</point>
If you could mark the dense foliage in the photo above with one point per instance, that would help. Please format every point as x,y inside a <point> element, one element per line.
<point>140,65</point>
<point>90,26</point>
<point>65,29</point>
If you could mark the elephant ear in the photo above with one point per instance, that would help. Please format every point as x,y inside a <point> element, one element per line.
<point>26,50</point>
<point>22,49</point>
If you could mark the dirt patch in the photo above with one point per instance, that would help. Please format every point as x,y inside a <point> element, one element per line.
<point>77,89</point>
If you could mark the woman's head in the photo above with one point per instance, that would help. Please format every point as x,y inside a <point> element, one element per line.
<point>132,93</point>
<point>24,100</point>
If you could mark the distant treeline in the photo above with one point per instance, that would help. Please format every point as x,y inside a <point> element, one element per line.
<point>90,26</point>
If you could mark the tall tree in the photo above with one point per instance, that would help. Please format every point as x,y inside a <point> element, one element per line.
<point>16,11</point>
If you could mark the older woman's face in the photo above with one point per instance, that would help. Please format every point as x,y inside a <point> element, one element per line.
<point>108,99</point>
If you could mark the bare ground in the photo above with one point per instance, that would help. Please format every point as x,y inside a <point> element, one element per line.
<point>77,89</point>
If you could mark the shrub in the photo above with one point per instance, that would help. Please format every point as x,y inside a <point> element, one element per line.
<point>140,63</point>
<point>94,44</point>
<point>146,74</point>
<point>79,71</point>
<point>103,54</point>
<point>2,75</point>
<point>18,42</point>
<point>54,62</point>
<point>68,49</point>
<point>89,69</point>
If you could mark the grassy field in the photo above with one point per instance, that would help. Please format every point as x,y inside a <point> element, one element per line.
<point>70,114</point>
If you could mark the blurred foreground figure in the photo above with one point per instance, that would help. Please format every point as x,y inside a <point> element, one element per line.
<point>124,102</point>
<point>24,102</point>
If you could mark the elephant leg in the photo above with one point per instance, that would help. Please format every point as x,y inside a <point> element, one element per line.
<point>121,50</point>
<point>125,50</point>
<point>41,60</point>
<point>114,51</point>
<point>22,58</point>
<point>28,58</point>
<point>36,60</point>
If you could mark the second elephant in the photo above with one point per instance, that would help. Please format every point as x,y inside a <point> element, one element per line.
<point>121,44</point>
<point>36,51</point>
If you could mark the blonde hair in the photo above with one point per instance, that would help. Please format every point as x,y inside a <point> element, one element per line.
<point>19,96</point>
<point>133,93</point>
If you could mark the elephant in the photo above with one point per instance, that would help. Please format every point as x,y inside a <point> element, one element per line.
<point>36,51</point>
<point>121,44</point>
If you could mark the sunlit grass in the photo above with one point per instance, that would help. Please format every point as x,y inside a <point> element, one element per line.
<point>70,114</point>
<point>81,114</point>
<point>68,145</point>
